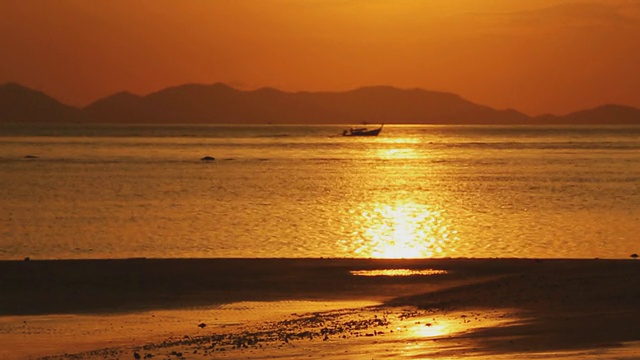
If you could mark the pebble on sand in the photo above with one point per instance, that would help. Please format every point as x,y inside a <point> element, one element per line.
<point>634,256</point>
<point>208,158</point>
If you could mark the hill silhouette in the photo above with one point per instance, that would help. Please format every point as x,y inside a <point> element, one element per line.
<point>220,103</point>
<point>21,104</point>
<point>604,114</point>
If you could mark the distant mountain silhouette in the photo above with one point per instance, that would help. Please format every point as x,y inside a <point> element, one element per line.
<point>604,114</point>
<point>219,103</point>
<point>119,107</point>
<point>20,104</point>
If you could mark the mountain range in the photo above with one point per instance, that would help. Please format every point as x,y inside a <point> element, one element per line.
<point>222,104</point>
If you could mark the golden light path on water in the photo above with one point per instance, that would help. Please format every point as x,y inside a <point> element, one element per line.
<point>402,228</point>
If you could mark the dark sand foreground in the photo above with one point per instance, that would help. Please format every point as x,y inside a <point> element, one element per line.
<point>589,308</point>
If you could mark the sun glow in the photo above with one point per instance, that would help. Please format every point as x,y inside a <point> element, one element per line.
<point>403,230</point>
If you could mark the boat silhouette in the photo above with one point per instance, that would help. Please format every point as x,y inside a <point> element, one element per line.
<point>362,131</point>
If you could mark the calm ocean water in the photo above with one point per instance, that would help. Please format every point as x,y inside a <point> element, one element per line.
<point>304,191</point>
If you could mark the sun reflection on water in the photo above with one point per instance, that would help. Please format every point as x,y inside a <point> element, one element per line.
<point>428,329</point>
<point>402,230</point>
<point>398,272</point>
<point>460,326</point>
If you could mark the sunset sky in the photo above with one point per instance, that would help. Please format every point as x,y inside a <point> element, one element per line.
<point>537,56</point>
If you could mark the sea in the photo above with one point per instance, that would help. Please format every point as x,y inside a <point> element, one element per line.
<point>130,191</point>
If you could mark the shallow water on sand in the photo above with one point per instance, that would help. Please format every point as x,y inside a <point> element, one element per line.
<point>23,337</point>
<point>305,191</point>
<point>338,331</point>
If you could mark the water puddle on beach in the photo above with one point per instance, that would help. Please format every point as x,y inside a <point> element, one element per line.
<point>398,272</point>
<point>286,330</point>
<point>41,335</point>
<point>372,332</point>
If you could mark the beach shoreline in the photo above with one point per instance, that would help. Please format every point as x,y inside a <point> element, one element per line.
<point>501,306</point>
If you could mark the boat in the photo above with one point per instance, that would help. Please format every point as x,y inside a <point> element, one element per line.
<point>362,131</point>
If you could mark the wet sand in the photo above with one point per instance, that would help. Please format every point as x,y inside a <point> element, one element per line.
<point>477,308</point>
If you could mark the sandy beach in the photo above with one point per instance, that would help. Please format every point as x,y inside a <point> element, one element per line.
<point>319,308</point>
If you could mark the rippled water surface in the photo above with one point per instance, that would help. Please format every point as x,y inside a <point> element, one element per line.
<point>305,191</point>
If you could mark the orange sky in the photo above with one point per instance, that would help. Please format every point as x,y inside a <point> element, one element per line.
<point>536,56</point>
